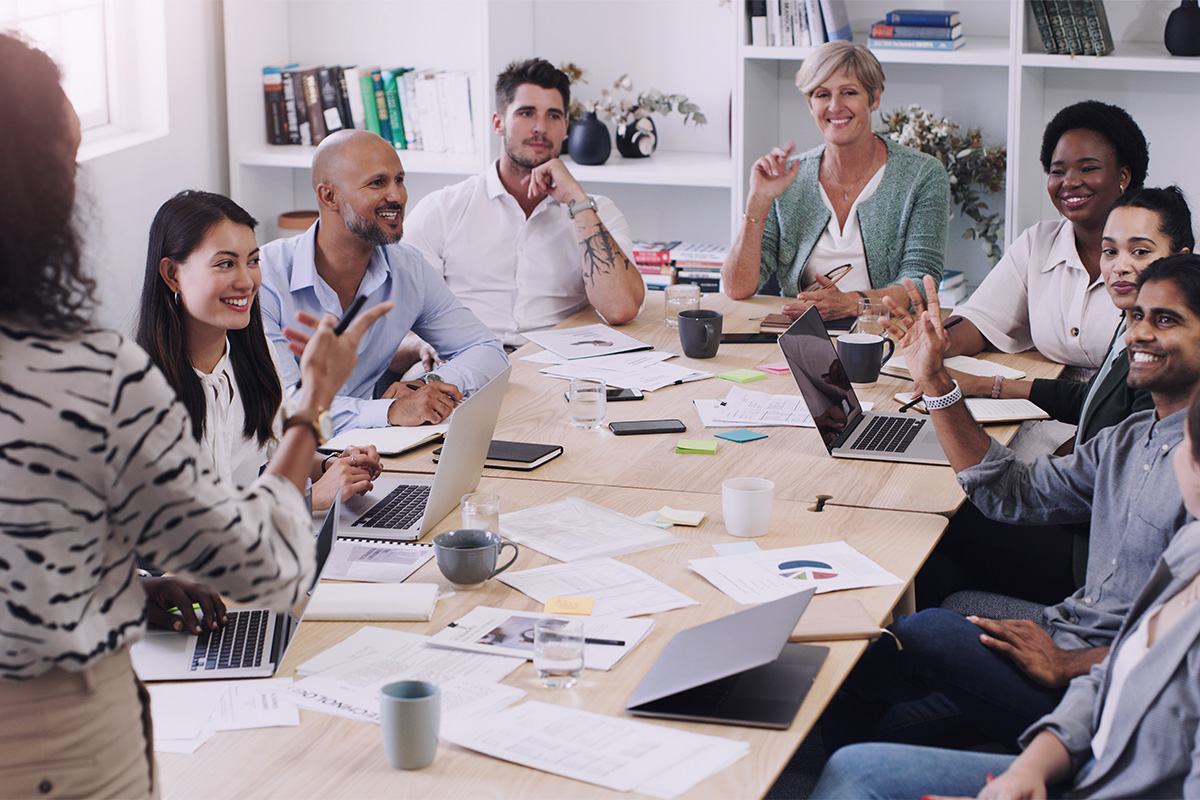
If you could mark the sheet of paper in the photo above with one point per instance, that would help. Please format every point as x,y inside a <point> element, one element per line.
<point>897,367</point>
<point>613,752</point>
<point>716,414</point>
<point>510,633</point>
<point>374,561</point>
<point>987,409</point>
<point>186,714</point>
<point>388,441</point>
<point>574,529</point>
<point>585,341</point>
<point>681,516</point>
<point>770,574</point>
<point>183,747</point>
<point>645,371</point>
<point>618,589</point>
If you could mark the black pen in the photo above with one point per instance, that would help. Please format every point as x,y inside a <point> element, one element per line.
<point>613,642</point>
<point>911,403</point>
<point>343,323</point>
<point>952,323</point>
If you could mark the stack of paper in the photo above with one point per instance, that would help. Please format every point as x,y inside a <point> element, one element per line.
<point>573,529</point>
<point>645,371</point>
<point>402,602</point>
<point>972,366</point>
<point>186,715</point>
<point>618,589</point>
<point>585,341</point>
<point>375,560</point>
<point>389,441</point>
<point>743,407</point>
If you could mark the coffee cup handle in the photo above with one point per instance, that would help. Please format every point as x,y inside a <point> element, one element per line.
<point>891,348</point>
<point>516,552</point>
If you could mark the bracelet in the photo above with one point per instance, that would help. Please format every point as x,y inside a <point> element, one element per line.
<point>750,219</point>
<point>996,387</point>
<point>945,401</point>
<point>863,295</point>
<point>325,462</point>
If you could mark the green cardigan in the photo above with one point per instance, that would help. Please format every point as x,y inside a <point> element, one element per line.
<point>903,223</point>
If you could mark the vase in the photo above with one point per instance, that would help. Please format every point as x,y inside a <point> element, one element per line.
<point>588,140</point>
<point>1182,34</point>
<point>638,138</point>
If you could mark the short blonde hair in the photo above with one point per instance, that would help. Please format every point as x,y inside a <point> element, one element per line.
<point>832,57</point>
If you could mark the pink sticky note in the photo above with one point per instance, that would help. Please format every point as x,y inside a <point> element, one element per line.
<point>777,368</point>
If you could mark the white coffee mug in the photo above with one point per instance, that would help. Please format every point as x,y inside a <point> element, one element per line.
<point>747,504</point>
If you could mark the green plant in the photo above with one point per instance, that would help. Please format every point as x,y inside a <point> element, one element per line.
<point>624,111</point>
<point>975,168</point>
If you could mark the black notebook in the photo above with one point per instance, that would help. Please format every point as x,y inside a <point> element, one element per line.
<point>516,455</point>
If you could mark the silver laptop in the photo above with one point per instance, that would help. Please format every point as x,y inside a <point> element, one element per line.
<point>404,509</point>
<point>251,645</point>
<point>846,430</point>
<point>736,670</point>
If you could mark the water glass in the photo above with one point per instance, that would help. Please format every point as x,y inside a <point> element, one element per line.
<point>870,309</point>
<point>679,297</point>
<point>558,652</point>
<point>481,511</point>
<point>588,405</point>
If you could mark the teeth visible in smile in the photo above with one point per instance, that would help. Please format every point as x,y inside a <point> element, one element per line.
<point>389,214</point>
<point>1144,358</point>
<point>1074,201</point>
<point>237,303</point>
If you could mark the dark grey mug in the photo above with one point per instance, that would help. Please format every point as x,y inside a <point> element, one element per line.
<point>468,557</point>
<point>700,332</point>
<point>863,354</point>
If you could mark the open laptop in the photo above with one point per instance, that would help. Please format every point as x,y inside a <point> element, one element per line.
<point>251,645</point>
<point>736,670</point>
<point>846,430</point>
<point>406,509</point>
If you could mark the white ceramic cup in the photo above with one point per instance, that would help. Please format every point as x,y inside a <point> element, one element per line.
<point>747,504</point>
<point>410,715</point>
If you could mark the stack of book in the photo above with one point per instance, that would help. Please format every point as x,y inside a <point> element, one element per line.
<point>699,264</point>
<point>653,260</point>
<point>797,23</point>
<point>917,29</point>
<point>413,109</point>
<point>1073,27</point>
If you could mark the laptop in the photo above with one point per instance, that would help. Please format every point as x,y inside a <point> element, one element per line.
<point>737,670</point>
<point>846,430</point>
<point>251,645</point>
<point>405,509</point>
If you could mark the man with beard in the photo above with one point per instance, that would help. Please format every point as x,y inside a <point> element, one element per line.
<point>523,245</point>
<point>354,249</point>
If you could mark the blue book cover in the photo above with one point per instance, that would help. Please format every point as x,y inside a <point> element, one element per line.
<point>918,16</point>
<point>916,44</point>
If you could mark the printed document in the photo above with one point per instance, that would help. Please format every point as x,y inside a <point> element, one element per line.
<point>586,341</point>
<point>645,371</point>
<point>375,560</point>
<point>186,714</point>
<point>620,590</point>
<point>574,529</point>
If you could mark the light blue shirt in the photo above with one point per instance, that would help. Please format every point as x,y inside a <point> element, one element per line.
<point>424,305</point>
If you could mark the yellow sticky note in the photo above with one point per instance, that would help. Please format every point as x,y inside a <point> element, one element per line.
<point>570,605</point>
<point>695,446</point>
<point>680,517</point>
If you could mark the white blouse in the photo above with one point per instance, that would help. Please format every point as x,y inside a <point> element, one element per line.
<point>837,246</point>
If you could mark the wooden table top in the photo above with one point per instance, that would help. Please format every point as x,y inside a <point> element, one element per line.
<point>329,756</point>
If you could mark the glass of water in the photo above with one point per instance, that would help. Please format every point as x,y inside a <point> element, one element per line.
<point>558,652</point>
<point>870,309</point>
<point>679,297</point>
<point>588,402</point>
<point>481,511</point>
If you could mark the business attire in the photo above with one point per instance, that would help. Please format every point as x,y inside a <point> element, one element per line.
<point>100,467</point>
<point>397,273</point>
<point>516,274</point>
<point>1124,483</point>
<point>903,222</point>
<point>1131,725</point>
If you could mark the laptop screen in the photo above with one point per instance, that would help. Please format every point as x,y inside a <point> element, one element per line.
<point>818,373</point>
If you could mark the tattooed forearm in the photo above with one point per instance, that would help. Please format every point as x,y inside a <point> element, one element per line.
<point>601,256</point>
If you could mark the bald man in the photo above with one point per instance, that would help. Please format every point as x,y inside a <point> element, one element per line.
<point>354,249</point>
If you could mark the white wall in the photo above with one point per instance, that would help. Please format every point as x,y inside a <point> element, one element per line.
<point>120,192</point>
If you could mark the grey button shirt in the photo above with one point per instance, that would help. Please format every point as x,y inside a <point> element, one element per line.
<point>1123,481</point>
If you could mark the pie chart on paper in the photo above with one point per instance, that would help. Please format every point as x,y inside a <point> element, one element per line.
<point>807,571</point>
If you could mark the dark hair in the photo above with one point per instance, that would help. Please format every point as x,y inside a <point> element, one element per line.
<point>178,229</point>
<point>537,71</point>
<point>41,274</point>
<point>1182,269</point>
<point>1174,216</point>
<point>1111,122</point>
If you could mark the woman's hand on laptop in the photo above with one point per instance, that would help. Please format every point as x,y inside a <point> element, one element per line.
<point>173,603</point>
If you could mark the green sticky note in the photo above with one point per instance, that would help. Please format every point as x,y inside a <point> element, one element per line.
<point>695,446</point>
<point>743,375</point>
<point>741,435</point>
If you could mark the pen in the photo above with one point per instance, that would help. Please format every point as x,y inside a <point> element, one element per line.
<point>952,323</point>
<point>343,323</point>
<point>911,403</point>
<point>613,642</point>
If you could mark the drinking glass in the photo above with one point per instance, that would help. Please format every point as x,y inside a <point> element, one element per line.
<point>870,309</point>
<point>558,652</point>
<point>588,405</point>
<point>481,511</point>
<point>679,297</point>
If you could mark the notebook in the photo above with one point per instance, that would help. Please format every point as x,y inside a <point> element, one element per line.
<point>251,645</point>
<point>736,670</point>
<point>405,509</point>
<point>522,456</point>
<point>845,429</point>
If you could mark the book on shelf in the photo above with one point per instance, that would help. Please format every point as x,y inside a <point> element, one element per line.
<point>787,20</point>
<point>656,253</point>
<point>381,109</point>
<point>1091,23</point>
<point>756,11</point>
<point>774,24</point>
<point>366,89</point>
<point>657,282</point>
<point>816,26</point>
<point>343,98</point>
<point>701,253</point>
<point>331,109</point>
<point>1070,32</point>
<point>1042,17</point>
<point>881,30</point>
<point>289,104</point>
<point>312,102</point>
<point>920,16</point>
<point>391,97</point>
<point>916,44</point>
<point>351,85</point>
<point>275,103</point>
<point>295,76</point>
<point>837,20</point>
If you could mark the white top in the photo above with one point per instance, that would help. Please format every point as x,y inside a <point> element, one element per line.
<point>1132,651</point>
<point>515,274</point>
<point>1040,296</point>
<point>836,247</point>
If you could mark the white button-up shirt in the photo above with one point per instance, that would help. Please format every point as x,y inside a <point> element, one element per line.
<point>235,457</point>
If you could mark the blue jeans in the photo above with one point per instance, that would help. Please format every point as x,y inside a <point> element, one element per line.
<point>905,771</point>
<point>943,689</point>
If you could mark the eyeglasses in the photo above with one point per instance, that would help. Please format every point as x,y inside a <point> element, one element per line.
<point>834,275</point>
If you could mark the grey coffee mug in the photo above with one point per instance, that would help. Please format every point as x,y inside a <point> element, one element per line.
<point>468,557</point>
<point>410,715</point>
<point>863,354</point>
<point>700,332</point>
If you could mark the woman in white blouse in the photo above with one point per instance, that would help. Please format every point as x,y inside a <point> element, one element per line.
<point>1047,292</point>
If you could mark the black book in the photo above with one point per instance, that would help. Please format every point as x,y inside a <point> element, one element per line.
<point>516,455</point>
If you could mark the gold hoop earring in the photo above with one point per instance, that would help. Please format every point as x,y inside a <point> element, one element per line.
<point>1122,188</point>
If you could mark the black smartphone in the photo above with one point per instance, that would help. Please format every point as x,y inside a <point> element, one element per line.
<point>616,394</point>
<point>634,427</point>
<point>749,338</point>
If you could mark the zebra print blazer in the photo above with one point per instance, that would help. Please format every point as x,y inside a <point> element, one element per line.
<point>97,467</point>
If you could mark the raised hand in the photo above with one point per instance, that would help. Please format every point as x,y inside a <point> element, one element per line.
<point>771,174</point>
<point>920,335</point>
<point>327,359</point>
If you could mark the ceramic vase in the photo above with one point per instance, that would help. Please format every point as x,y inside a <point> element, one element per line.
<point>1182,34</point>
<point>588,140</point>
<point>637,139</point>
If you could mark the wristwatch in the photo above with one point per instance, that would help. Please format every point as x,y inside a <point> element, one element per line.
<point>319,420</point>
<point>575,207</point>
<point>431,377</point>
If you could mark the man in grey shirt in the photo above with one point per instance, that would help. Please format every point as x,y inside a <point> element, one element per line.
<point>953,678</point>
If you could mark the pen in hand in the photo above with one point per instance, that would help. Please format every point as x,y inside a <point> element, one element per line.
<point>347,317</point>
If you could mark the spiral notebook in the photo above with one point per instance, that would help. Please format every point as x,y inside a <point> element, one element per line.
<point>375,560</point>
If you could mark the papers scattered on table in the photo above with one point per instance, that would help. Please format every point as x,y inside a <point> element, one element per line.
<point>987,409</point>
<point>185,715</point>
<point>389,441</point>
<point>585,341</point>
<point>574,529</point>
<point>770,574</point>
<point>401,602</point>
<point>375,560</point>
<point>742,407</point>
<point>502,631</point>
<point>742,375</point>
<point>616,753</point>
<point>678,516</point>
<point>740,436</point>
<point>696,447</point>
<point>618,589</point>
<point>897,368</point>
<point>645,371</point>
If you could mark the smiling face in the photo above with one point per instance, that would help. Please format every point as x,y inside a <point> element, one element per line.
<point>1133,240</point>
<point>370,191</point>
<point>218,281</point>
<point>1085,179</point>
<point>842,108</point>
<point>532,127</point>
<point>1163,338</point>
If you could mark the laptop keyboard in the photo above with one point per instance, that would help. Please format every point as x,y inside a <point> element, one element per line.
<point>888,434</point>
<point>399,510</point>
<point>238,644</point>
